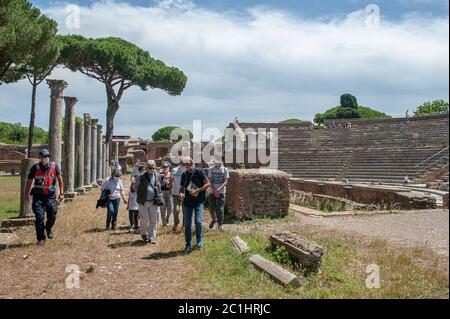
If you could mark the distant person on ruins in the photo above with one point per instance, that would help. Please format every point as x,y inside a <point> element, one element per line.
<point>44,174</point>
<point>405,181</point>
<point>147,186</point>
<point>407,116</point>
<point>218,175</point>
<point>166,209</point>
<point>175,185</point>
<point>194,184</point>
<point>133,209</point>
<point>136,170</point>
<point>115,186</point>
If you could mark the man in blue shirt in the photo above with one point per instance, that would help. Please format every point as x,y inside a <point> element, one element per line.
<point>194,184</point>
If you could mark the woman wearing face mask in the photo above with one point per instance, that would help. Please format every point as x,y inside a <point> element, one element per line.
<point>115,186</point>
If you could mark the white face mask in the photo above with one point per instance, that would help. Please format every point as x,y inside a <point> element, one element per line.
<point>116,178</point>
<point>46,160</point>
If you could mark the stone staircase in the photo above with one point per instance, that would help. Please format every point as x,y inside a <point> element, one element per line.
<point>384,150</point>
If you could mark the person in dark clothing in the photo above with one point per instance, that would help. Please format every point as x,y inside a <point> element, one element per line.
<point>44,174</point>
<point>194,184</point>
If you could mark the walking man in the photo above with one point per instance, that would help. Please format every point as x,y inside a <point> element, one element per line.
<point>44,174</point>
<point>147,186</point>
<point>218,175</point>
<point>194,184</point>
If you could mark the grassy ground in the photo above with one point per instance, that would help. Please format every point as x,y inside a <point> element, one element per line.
<point>127,268</point>
<point>404,272</point>
<point>9,196</point>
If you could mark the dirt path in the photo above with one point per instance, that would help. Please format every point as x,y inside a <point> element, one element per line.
<point>125,266</point>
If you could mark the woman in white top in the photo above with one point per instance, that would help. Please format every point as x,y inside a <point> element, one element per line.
<point>115,186</point>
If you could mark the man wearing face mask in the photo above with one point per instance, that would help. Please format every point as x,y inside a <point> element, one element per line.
<point>147,186</point>
<point>44,174</point>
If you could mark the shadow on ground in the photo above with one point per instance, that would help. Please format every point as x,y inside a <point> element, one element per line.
<point>166,255</point>
<point>135,243</point>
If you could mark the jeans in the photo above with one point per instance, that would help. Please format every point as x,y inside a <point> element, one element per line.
<point>112,212</point>
<point>40,205</point>
<point>188,212</point>
<point>148,214</point>
<point>217,207</point>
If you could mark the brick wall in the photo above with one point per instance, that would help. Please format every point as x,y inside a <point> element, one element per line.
<point>254,192</point>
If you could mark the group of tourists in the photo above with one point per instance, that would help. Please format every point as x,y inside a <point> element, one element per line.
<point>157,194</point>
<point>153,196</point>
<point>334,125</point>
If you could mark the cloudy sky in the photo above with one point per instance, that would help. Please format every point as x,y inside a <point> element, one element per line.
<point>257,60</point>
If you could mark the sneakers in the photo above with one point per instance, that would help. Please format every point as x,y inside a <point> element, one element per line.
<point>199,245</point>
<point>41,242</point>
<point>131,229</point>
<point>152,241</point>
<point>50,234</point>
<point>144,238</point>
<point>220,228</point>
<point>187,250</point>
<point>211,226</point>
<point>137,231</point>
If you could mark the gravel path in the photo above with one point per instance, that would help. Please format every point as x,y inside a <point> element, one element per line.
<point>419,228</point>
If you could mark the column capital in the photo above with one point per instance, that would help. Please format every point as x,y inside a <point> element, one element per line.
<point>87,118</point>
<point>94,123</point>
<point>99,127</point>
<point>70,101</point>
<point>57,86</point>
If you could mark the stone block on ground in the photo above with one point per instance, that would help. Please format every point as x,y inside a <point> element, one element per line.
<point>239,245</point>
<point>308,253</point>
<point>278,273</point>
<point>17,222</point>
<point>7,240</point>
<point>257,192</point>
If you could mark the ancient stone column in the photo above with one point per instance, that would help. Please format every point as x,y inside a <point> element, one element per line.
<point>104,161</point>
<point>87,151</point>
<point>99,154</point>
<point>108,160</point>
<point>69,147</point>
<point>79,158</point>
<point>116,153</point>
<point>55,127</point>
<point>25,210</point>
<point>94,152</point>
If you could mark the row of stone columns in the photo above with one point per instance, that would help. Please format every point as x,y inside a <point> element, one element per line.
<point>83,156</point>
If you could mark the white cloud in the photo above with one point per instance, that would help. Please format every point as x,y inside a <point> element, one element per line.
<point>262,66</point>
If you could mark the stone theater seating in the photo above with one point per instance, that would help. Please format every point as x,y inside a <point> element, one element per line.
<point>377,150</point>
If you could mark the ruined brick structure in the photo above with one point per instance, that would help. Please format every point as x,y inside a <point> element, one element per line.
<point>257,192</point>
